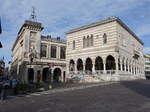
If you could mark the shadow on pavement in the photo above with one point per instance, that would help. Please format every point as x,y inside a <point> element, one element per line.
<point>141,87</point>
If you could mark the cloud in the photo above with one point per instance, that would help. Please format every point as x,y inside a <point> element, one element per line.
<point>59,16</point>
<point>147,50</point>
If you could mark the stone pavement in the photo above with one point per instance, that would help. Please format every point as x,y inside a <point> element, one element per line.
<point>130,96</point>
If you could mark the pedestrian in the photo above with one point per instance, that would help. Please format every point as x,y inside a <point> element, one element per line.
<point>3,90</point>
<point>15,86</point>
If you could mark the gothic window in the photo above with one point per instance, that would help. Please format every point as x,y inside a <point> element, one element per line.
<point>104,38</point>
<point>43,50</point>
<point>53,51</point>
<point>74,45</point>
<point>91,40</point>
<point>84,42</point>
<point>88,41</point>
<point>62,52</point>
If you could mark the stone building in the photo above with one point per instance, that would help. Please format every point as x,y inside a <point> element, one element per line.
<point>108,50</point>
<point>37,58</point>
<point>147,66</point>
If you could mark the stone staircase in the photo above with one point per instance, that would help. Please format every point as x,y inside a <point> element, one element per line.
<point>86,78</point>
<point>91,78</point>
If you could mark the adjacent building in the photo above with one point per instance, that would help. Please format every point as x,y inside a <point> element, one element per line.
<point>107,49</point>
<point>37,58</point>
<point>147,66</point>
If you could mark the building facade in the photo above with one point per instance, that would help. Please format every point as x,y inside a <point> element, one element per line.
<point>147,66</point>
<point>108,50</point>
<point>2,67</point>
<point>37,58</point>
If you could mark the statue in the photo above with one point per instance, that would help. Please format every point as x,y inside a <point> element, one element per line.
<point>32,54</point>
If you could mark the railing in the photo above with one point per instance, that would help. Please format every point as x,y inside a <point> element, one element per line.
<point>111,72</point>
<point>99,71</point>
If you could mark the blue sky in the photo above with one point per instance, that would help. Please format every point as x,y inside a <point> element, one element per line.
<point>59,16</point>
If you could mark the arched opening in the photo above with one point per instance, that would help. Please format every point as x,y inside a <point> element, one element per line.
<point>57,75</point>
<point>99,63</point>
<point>110,63</point>
<point>88,65</point>
<point>71,65</point>
<point>64,76</point>
<point>30,75</point>
<point>123,68</point>
<point>79,65</point>
<point>119,66</point>
<point>127,65</point>
<point>45,74</point>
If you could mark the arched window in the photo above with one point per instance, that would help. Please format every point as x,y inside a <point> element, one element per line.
<point>84,42</point>
<point>91,40</point>
<point>74,45</point>
<point>104,38</point>
<point>88,41</point>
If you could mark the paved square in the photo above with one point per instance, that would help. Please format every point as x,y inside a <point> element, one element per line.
<point>119,97</point>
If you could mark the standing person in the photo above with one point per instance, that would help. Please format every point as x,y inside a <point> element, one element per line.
<point>3,90</point>
<point>14,86</point>
<point>0,88</point>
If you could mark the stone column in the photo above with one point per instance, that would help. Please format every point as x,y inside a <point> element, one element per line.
<point>133,69</point>
<point>58,52</point>
<point>93,67</point>
<point>52,73</point>
<point>104,65</point>
<point>35,75</point>
<point>83,67</point>
<point>75,67</point>
<point>128,67</point>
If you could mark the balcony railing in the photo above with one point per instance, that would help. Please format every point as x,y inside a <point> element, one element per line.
<point>97,72</point>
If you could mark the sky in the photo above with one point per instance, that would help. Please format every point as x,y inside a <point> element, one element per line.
<point>59,16</point>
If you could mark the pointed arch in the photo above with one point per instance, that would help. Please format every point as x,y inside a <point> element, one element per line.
<point>88,64</point>
<point>104,38</point>
<point>79,65</point>
<point>99,63</point>
<point>92,40</point>
<point>110,63</point>
<point>84,42</point>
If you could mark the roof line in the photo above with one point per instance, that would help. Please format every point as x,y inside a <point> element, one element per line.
<point>108,20</point>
